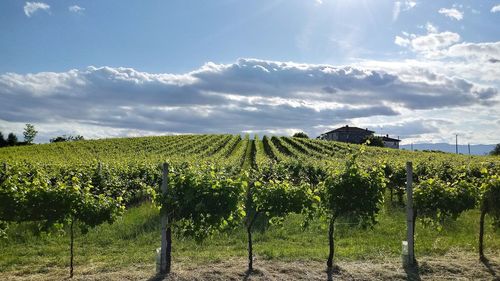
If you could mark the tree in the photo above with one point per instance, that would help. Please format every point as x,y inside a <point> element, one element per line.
<point>12,139</point>
<point>300,135</point>
<point>62,138</point>
<point>3,142</point>
<point>29,133</point>
<point>373,141</point>
<point>76,138</point>
<point>65,138</point>
<point>496,150</point>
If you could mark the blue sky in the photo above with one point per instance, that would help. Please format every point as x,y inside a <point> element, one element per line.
<point>434,62</point>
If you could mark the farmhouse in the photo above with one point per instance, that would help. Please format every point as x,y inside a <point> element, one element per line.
<point>357,135</point>
<point>348,134</point>
<point>390,142</point>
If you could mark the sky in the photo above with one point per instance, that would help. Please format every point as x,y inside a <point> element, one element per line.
<point>419,70</point>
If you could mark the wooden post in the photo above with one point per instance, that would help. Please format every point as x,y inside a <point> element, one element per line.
<point>164,222</point>
<point>409,213</point>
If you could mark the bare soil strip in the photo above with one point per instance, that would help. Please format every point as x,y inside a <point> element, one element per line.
<point>453,266</point>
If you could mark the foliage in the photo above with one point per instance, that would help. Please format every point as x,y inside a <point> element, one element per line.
<point>396,180</point>
<point>373,141</point>
<point>436,200</point>
<point>490,197</point>
<point>276,199</point>
<point>54,198</point>
<point>201,201</point>
<point>34,194</point>
<point>344,189</point>
<point>353,194</point>
<point>12,139</point>
<point>3,141</point>
<point>64,138</point>
<point>300,135</point>
<point>496,150</point>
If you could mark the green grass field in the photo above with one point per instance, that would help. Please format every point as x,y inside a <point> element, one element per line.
<point>133,239</point>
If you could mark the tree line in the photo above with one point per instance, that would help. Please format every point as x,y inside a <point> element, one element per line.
<point>29,134</point>
<point>12,140</point>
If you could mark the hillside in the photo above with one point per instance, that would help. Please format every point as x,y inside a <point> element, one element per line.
<point>218,148</point>
<point>102,199</point>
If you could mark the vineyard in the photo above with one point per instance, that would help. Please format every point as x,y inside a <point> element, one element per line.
<point>223,185</point>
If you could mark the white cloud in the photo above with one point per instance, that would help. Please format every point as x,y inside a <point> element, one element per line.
<point>452,13</point>
<point>445,45</point>
<point>484,52</point>
<point>318,2</point>
<point>402,6</point>
<point>76,9</point>
<point>434,41</point>
<point>431,28</point>
<point>430,45</point>
<point>32,7</point>
<point>403,42</point>
<point>495,9</point>
<point>249,95</point>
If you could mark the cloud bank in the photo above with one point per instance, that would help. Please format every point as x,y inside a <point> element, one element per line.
<point>249,95</point>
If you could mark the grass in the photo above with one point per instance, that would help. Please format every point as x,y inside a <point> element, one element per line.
<point>132,240</point>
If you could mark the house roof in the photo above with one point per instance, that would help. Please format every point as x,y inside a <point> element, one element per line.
<point>347,129</point>
<point>386,138</point>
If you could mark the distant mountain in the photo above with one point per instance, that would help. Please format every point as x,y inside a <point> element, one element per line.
<point>476,149</point>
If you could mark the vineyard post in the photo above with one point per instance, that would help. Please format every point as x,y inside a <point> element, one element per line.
<point>165,259</point>
<point>409,213</point>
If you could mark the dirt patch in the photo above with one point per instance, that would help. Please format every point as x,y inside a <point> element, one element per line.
<point>454,266</point>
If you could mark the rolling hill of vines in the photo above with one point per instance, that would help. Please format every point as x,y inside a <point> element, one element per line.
<point>230,150</point>
<point>216,182</point>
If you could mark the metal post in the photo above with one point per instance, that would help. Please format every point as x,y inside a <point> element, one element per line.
<point>409,212</point>
<point>456,144</point>
<point>164,222</point>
